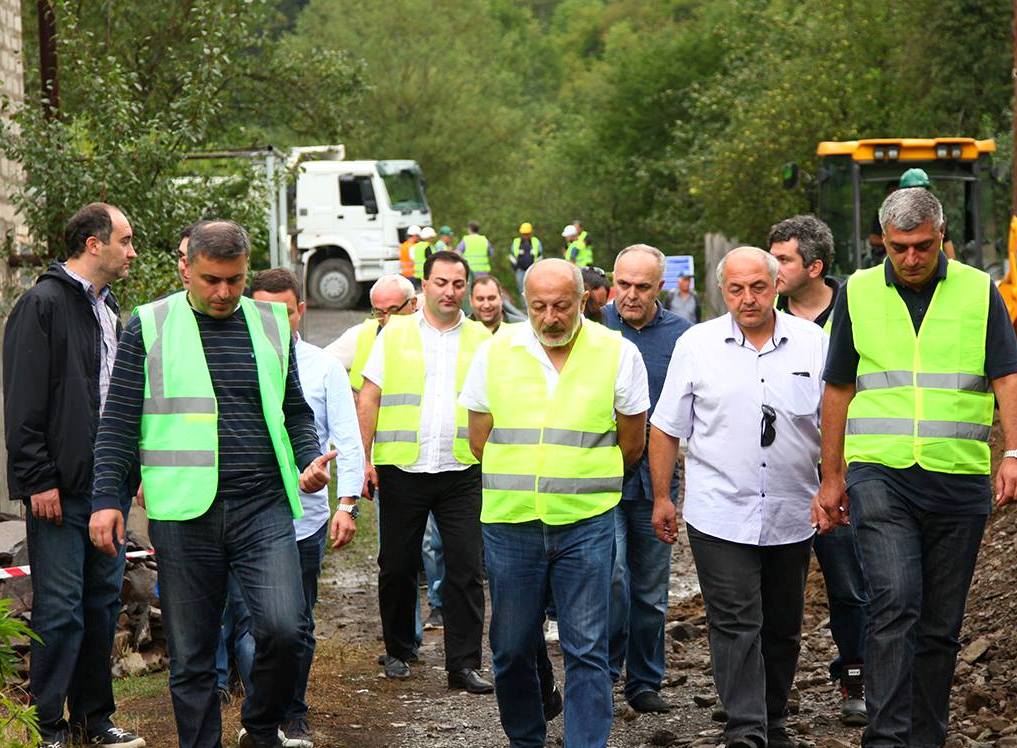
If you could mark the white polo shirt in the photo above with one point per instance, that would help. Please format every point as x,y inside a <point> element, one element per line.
<point>717,383</point>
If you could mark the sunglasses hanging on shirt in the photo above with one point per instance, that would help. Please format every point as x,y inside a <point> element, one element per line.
<point>767,432</point>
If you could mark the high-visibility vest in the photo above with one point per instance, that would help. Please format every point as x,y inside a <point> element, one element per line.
<point>475,252</point>
<point>536,248</point>
<point>179,446</point>
<point>406,267</point>
<point>441,246</point>
<point>921,398</point>
<point>397,436</point>
<point>583,254</point>
<point>365,341</point>
<point>421,251</point>
<point>552,457</point>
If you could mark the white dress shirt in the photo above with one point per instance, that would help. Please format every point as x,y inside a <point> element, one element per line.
<point>327,391</point>
<point>631,391</point>
<point>438,404</point>
<point>717,382</point>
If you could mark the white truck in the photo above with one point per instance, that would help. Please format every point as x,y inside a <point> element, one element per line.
<point>346,218</point>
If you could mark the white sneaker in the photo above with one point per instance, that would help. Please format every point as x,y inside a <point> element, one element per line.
<point>243,741</point>
<point>551,633</point>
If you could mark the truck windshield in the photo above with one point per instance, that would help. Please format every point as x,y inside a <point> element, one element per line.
<point>405,191</point>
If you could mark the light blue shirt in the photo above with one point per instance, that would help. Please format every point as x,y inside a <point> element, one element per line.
<point>107,326</point>
<point>327,391</point>
<point>717,382</point>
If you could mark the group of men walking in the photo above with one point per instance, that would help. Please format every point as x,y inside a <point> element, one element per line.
<point>544,451</point>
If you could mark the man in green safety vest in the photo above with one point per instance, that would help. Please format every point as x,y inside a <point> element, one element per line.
<point>525,250</point>
<point>421,464</point>
<point>919,346</point>
<point>391,295</point>
<point>477,249</point>
<point>207,395</point>
<point>803,246</point>
<point>444,242</point>
<point>557,411</point>
<point>577,251</point>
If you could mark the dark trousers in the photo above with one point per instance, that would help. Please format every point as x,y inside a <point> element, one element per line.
<point>454,499</point>
<point>918,568</point>
<point>253,538</point>
<point>837,553</point>
<point>755,597</point>
<point>76,602</point>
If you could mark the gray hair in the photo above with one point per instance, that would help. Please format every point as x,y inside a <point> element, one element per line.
<point>577,274</point>
<point>772,266</point>
<point>218,240</point>
<point>645,249</point>
<point>394,279</point>
<point>907,209</point>
<point>815,240</point>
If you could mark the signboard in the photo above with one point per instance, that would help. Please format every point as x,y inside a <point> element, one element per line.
<point>676,266</point>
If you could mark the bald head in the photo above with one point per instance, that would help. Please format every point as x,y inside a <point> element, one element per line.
<point>747,278</point>
<point>554,301</point>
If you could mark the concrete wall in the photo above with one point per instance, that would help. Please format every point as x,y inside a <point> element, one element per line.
<point>12,86</point>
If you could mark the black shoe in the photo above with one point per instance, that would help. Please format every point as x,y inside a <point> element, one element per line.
<point>297,734</point>
<point>469,680</point>
<point>245,740</point>
<point>435,620</point>
<point>114,737</point>
<point>852,693</point>
<point>553,703</point>
<point>395,668</point>
<point>777,737</point>
<point>60,741</point>
<point>649,702</point>
<point>413,659</point>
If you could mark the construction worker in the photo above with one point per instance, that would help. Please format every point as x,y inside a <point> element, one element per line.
<point>406,266</point>
<point>803,246</point>
<point>390,295</point>
<point>919,178</point>
<point>553,474</point>
<point>208,395</point>
<point>444,243</point>
<point>477,249</point>
<point>918,348</point>
<point>576,251</point>
<point>421,251</point>
<point>585,244</point>
<point>488,304</point>
<point>526,249</point>
<point>422,463</point>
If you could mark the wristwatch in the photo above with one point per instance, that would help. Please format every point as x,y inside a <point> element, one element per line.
<point>350,509</point>
<point>1010,453</point>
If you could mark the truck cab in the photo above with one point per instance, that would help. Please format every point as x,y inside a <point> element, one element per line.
<point>350,218</point>
<point>855,176</point>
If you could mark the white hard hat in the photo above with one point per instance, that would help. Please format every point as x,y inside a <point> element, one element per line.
<point>427,233</point>
<point>569,231</point>
<point>413,230</point>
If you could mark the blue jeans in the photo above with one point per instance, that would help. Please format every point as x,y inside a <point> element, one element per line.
<point>76,601</point>
<point>434,563</point>
<point>837,554</point>
<point>520,274</point>
<point>523,561</point>
<point>639,582</point>
<point>918,568</point>
<point>252,538</point>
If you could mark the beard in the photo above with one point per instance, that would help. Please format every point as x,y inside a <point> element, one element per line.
<point>559,342</point>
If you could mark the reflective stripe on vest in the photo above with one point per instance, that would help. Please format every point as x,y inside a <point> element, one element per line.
<point>179,422</point>
<point>397,437</point>
<point>475,252</point>
<point>536,248</point>
<point>920,398</point>
<point>365,341</point>
<point>553,457</point>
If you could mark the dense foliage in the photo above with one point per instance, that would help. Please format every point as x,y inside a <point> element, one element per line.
<point>650,121</point>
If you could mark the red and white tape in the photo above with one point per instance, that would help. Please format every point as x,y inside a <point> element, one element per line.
<point>14,572</point>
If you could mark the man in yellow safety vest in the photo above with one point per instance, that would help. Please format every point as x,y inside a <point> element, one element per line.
<point>557,411</point>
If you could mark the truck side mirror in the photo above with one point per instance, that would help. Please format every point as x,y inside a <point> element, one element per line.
<point>789,175</point>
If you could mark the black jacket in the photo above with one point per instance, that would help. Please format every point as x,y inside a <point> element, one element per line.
<point>51,387</point>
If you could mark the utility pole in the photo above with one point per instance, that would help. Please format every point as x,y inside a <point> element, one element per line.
<point>48,58</point>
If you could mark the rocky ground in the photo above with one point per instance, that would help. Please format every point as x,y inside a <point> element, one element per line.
<point>353,706</point>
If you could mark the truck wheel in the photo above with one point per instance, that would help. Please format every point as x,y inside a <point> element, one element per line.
<point>333,285</point>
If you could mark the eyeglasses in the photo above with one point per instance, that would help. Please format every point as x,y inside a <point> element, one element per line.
<point>379,313</point>
<point>767,433</point>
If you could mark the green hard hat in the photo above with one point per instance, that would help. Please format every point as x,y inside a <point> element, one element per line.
<point>445,230</point>
<point>915,178</point>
